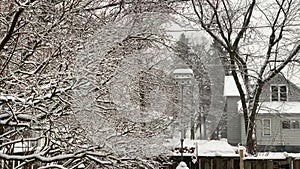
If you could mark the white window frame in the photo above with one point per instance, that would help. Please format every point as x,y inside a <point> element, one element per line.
<point>264,127</point>
<point>278,92</point>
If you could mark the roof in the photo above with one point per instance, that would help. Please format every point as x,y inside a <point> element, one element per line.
<point>221,148</point>
<point>273,156</point>
<point>183,71</point>
<point>268,156</point>
<point>277,107</point>
<point>230,88</point>
<point>206,148</point>
<point>217,148</point>
<point>280,107</point>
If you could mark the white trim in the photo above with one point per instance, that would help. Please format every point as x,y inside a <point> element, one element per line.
<point>278,91</point>
<point>263,126</point>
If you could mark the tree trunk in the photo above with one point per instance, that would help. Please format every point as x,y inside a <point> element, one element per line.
<point>192,129</point>
<point>251,143</point>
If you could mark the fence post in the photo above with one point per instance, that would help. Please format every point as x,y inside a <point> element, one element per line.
<point>242,159</point>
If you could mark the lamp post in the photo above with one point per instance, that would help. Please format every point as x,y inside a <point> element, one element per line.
<point>181,129</point>
<point>182,77</point>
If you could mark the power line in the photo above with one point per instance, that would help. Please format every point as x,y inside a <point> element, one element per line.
<point>249,27</point>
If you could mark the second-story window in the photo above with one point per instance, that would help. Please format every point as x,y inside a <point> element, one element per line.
<point>278,93</point>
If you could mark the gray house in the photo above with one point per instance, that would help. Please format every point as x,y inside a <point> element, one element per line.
<point>278,119</point>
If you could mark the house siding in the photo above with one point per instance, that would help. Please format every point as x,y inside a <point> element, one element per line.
<point>291,136</point>
<point>243,133</point>
<point>275,138</point>
<point>233,121</point>
<point>293,90</point>
<point>279,137</point>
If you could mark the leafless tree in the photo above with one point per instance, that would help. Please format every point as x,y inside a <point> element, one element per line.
<point>261,39</point>
<point>40,47</point>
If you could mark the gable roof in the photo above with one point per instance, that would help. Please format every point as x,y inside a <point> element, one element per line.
<point>183,71</point>
<point>230,88</point>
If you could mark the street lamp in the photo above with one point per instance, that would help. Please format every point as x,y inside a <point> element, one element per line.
<point>183,77</point>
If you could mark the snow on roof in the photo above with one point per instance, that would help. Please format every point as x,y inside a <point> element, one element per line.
<point>217,148</point>
<point>183,71</point>
<point>230,88</point>
<point>207,148</point>
<point>221,148</point>
<point>277,107</point>
<point>294,155</point>
<point>280,107</point>
<point>268,156</point>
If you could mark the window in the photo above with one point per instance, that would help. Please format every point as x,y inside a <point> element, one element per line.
<point>283,93</point>
<point>286,125</point>
<point>267,127</point>
<point>293,124</point>
<point>278,93</point>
